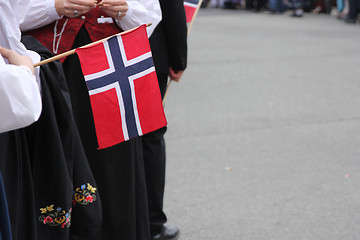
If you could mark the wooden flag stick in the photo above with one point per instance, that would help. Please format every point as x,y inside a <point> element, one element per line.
<point>166,92</point>
<point>189,28</point>
<point>65,54</point>
<point>68,53</point>
<point>193,18</point>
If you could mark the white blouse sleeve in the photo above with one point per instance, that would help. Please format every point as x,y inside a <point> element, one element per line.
<point>36,13</point>
<point>20,100</point>
<point>10,13</point>
<point>141,12</point>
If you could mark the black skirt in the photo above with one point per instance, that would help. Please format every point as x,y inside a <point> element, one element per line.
<point>5,232</point>
<point>49,186</point>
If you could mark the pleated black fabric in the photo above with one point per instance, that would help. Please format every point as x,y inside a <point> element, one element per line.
<point>17,183</point>
<point>49,186</point>
<point>74,182</point>
<point>16,171</point>
<point>5,230</point>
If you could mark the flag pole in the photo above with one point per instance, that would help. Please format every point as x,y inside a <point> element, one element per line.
<point>68,53</point>
<point>193,18</point>
<point>188,31</point>
<point>166,91</point>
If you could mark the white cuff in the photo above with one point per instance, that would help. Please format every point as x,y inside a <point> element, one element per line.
<point>51,10</point>
<point>130,8</point>
<point>128,14</point>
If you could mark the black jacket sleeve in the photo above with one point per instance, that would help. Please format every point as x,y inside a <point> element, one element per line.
<point>169,40</point>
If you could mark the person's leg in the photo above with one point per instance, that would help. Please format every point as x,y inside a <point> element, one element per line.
<point>281,6</point>
<point>357,8</point>
<point>154,165</point>
<point>327,6</point>
<point>249,4</point>
<point>273,5</point>
<point>352,15</point>
<point>154,162</point>
<point>142,210</point>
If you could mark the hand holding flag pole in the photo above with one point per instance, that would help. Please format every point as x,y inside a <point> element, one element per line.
<point>191,9</point>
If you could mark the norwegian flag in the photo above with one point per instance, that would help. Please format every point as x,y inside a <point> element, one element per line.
<point>123,87</point>
<point>190,9</point>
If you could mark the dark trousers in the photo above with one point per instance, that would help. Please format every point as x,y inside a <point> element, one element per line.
<point>354,8</point>
<point>258,5</point>
<point>155,163</point>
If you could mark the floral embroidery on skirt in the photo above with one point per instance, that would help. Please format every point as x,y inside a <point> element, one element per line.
<point>84,195</point>
<point>55,217</point>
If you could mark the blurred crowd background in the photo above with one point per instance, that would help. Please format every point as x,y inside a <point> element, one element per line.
<point>345,10</point>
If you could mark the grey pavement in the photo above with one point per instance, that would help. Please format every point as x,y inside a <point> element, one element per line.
<point>263,137</point>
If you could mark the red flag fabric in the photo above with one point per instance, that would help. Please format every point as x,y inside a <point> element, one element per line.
<point>123,87</point>
<point>190,8</point>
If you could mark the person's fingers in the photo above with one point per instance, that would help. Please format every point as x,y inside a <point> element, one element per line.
<point>16,59</point>
<point>115,8</point>
<point>176,76</point>
<point>82,3</point>
<point>10,55</point>
<point>74,8</point>
<point>4,51</point>
<point>113,2</point>
<point>112,8</point>
<point>117,15</point>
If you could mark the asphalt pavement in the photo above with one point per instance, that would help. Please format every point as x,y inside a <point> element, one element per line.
<point>263,138</point>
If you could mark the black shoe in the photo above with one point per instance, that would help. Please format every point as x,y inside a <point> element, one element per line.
<point>170,232</point>
<point>350,20</point>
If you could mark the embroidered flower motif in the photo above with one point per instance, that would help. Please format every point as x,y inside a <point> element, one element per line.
<point>60,219</point>
<point>84,194</point>
<point>48,219</point>
<point>78,197</point>
<point>91,188</point>
<point>56,217</point>
<point>66,223</point>
<point>43,210</point>
<point>89,198</point>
